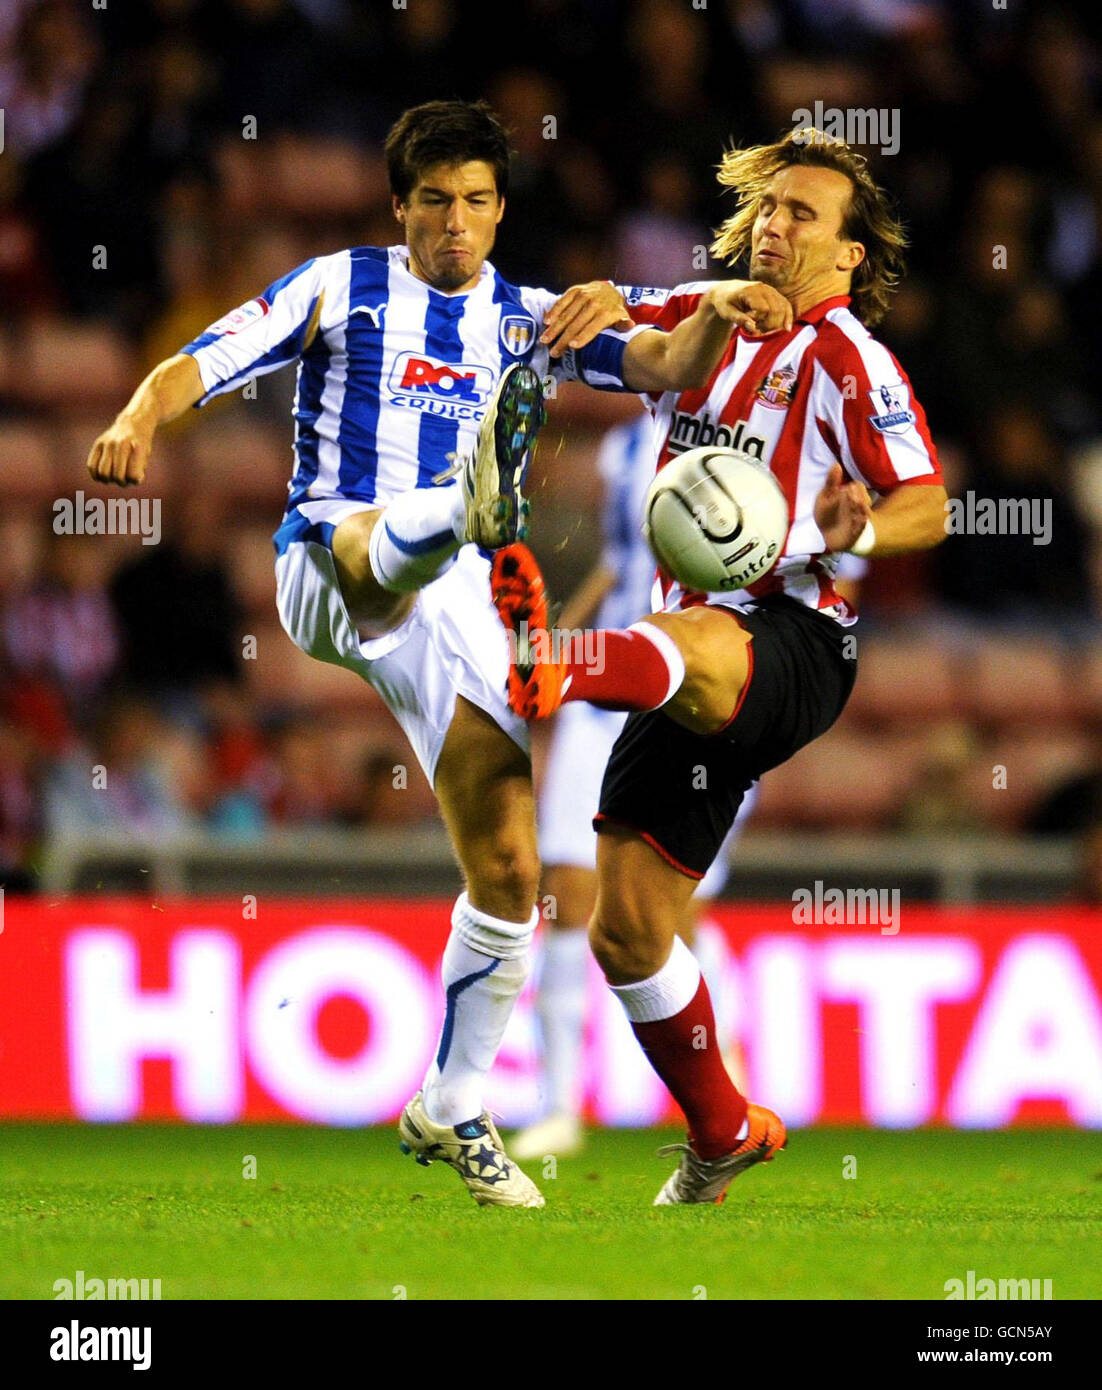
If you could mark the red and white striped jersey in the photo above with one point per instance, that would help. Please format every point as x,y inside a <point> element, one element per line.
<point>825,392</point>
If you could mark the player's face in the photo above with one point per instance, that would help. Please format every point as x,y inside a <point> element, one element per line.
<point>797,244</point>
<point>450,219</point>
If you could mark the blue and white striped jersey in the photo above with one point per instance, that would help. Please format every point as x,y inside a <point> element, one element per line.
<point>625,462</point>
<point>393,375</point>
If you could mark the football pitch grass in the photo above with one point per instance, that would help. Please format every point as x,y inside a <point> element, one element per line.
<point>341,1214</point>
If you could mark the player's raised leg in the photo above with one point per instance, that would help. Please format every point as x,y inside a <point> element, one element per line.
<point>694,664</point>
<point>484,785</point>
<point>382,556</point>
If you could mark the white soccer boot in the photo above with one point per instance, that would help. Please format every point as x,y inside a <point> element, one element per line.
<point>474,1150</point>
<point>707,1179</point>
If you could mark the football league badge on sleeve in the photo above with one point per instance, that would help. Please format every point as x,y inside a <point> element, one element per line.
<point>893,407</point>
<point>518,333</point>
<point>238,319</point>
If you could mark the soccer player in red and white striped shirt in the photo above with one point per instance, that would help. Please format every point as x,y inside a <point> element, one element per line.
<point>723,687</point>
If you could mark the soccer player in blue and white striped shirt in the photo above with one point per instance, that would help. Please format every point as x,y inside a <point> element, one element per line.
<point>418,398</point>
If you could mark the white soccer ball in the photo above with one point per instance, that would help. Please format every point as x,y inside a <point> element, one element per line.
<point>716,519</point>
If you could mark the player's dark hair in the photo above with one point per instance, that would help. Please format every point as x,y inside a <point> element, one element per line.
<point>445,132</point>
<point>869,218</point>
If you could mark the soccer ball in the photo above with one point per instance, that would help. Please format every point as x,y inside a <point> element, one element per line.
<point>716,519</point>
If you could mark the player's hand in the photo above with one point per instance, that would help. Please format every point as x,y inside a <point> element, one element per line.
<point>577,316</point>
<point>754,307</point>
<point>121,454</point>
<point>841,510</point>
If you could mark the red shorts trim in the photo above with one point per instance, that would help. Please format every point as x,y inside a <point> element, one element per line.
<point>719,608</point>
<point>600,818</point>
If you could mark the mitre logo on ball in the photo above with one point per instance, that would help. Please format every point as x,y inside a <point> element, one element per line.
<point>715,519</point>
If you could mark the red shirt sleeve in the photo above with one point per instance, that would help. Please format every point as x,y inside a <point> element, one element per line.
<point>868,408</point>
<point>660,308</point>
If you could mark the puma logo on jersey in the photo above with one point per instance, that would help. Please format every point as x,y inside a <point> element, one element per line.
<point>375,315</point>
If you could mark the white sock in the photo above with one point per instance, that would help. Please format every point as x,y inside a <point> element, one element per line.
<point>484,969</point>
<point>417,538</point>
<point>666,993</point>
<point>670,653</point>
<point>560,1005</point>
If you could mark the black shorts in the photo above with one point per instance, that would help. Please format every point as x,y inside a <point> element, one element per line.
<point>681,791</point>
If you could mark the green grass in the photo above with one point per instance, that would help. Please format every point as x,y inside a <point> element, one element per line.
<point>341,1214</point>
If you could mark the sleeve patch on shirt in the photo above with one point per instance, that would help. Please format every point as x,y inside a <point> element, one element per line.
<point>893,409</point>
<point>237,319</point>
<point>645,294</point>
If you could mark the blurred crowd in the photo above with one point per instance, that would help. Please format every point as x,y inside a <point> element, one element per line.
<point>163,162</point>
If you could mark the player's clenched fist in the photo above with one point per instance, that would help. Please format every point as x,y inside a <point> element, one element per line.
<point>841,510</point>
<point>754,307</point>
<point>121,454</point>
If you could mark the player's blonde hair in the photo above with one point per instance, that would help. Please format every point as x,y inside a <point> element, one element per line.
<point>869,218</point>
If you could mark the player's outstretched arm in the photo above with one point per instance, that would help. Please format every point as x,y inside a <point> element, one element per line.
<point>911,517</point>
<point>684,358</point>
<point>581,312</point>
<point>121,454</point>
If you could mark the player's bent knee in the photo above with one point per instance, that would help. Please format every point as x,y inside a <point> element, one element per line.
<point>626,951</point>
<point>716,667</point>
<point>369,605</point>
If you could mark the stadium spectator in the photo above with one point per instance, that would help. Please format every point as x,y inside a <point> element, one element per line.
<point>662,243</point>
<point>47,56</point>
<point>177,610</point>
<point>305,790</point>
<point>96,217</point>
<point>940,799</point>
<point>1019,573</point>
<point>19,808</point>
<point>120,780</point>
<point>58,631</point>
<point>25,284</point>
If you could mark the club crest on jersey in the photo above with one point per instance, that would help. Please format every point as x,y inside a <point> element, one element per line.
<point>777,389</point>
<point>457,390</point>
<point>518,333</point>
<point>237,319</point>
<point>893,406</point>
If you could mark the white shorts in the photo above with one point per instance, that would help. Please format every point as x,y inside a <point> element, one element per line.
<point>580,748</point>
<point>452,643</point>
<point>580,744</point>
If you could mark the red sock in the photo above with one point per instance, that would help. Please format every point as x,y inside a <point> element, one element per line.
<point>630,670</point>
<point>684,1052</point>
